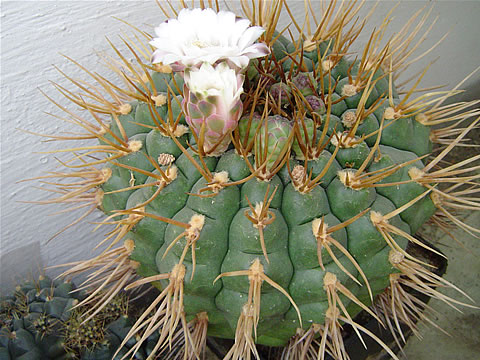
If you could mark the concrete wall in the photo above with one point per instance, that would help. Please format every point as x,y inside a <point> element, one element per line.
<point>34,34</point>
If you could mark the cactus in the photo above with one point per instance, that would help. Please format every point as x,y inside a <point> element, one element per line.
<point>32,319</point>
<point>43,320</point>
<point>277,230</point>
<point>98,337</point>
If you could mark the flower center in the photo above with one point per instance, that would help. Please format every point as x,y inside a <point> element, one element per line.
<point>200,44</point>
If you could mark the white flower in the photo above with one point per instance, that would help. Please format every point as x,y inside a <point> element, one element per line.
<point>219,81</point>
<point>212,99</point>
<point>199,36</point>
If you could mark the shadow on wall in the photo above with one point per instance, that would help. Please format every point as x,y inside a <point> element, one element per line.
<point>472,92</point>
<point>33,266</point>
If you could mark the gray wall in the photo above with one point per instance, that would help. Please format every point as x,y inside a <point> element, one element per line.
<point>34,34</point>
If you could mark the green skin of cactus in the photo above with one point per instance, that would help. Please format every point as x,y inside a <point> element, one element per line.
<point>44,306</point>
<point>274,136</point>
<point>229,242</point>
<point>40,322</point>
<point>309,126</point>
<point>116,331</point>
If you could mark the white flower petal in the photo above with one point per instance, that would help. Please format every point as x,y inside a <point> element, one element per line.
<point>250,36</point>
<point>198,36</point>
<point>257,50</point>
<point>239,61</point>
<point>220,81</point>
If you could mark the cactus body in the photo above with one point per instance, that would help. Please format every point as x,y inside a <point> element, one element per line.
<point>32,319</point>
<point>40,321</point>
<point>288,223</point>
<point>229,241</point>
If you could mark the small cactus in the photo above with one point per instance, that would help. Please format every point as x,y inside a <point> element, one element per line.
<point>32,319</point>
<point>45,320</point>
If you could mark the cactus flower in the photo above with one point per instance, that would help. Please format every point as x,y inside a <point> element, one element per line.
<point>212,97</point>
<point>199,36</point>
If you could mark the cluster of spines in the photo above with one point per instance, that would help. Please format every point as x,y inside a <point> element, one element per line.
<point>362,79</point>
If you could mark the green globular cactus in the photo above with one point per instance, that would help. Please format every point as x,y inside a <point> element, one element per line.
<point>112,336</point>
<point>99,336</point>
<point>32,319</point>
<point>297,225</point>
<point>43,320</point>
